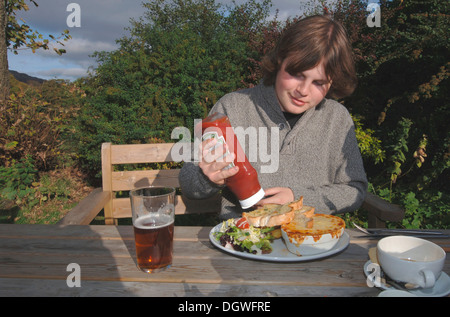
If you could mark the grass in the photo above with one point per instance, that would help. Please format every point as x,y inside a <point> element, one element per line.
<point>55,194</point>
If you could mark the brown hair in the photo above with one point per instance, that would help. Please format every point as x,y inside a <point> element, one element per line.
<point>306,43</point>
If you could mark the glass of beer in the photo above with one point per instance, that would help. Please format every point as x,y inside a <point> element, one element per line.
<point>153,213</point>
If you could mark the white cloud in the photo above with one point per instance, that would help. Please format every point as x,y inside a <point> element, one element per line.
<point>78,50</point>
<point>86,46</point>
<point>65,73</point>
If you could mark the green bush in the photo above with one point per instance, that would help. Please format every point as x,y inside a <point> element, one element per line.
<point>37,121</point>
<point>424,209</point>
<point>35,136</point>
<point>370,146</point>
<point>17,182</point>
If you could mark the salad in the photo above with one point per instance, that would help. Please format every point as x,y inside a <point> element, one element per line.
<point>237,234</point>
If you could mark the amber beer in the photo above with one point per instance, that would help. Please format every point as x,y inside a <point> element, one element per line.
<point>154,243</point>
<point>153,214</point>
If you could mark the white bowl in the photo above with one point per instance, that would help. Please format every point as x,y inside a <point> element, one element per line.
<point>322,237</point>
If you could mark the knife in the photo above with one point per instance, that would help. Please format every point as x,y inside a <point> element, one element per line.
<point>388,232</point>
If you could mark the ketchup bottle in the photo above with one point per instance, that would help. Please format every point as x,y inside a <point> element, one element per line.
<point>244,184</point>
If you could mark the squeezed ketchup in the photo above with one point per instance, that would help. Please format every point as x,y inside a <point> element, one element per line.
<point>245,184</point>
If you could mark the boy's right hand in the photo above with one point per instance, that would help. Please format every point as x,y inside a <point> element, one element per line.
<point>213,163</point>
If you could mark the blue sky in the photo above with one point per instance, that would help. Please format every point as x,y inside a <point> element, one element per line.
<point>102,23</point>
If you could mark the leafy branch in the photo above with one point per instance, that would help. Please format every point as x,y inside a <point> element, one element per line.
<point>19,35</point>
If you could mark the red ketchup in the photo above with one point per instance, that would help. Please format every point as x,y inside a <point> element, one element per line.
<point>244,184</point>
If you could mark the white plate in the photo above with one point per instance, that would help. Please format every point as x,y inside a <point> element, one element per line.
<point>440,289</point>
<point>279,251</point>
<point>395,293</point>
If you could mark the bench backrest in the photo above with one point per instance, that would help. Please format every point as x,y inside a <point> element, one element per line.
<point>116,181</point>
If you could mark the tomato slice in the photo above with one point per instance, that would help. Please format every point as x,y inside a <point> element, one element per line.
<point>242,223</point>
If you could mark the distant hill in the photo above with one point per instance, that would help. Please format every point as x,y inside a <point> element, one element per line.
<point>27,79</point>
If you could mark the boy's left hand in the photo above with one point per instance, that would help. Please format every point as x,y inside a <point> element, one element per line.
<point>277,195</point>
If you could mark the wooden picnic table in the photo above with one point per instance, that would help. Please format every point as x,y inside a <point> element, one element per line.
<point>35,259</point>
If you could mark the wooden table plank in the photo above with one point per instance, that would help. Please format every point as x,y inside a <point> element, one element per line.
<point>189,268</point>
<point>37,287</point>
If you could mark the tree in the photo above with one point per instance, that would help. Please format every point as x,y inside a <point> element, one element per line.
<point>4,74</point>
<point>15,35</point>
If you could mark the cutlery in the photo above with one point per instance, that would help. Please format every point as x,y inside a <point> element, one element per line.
<point>381,232</point>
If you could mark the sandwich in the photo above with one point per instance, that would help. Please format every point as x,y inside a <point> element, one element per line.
<point>271,215</point>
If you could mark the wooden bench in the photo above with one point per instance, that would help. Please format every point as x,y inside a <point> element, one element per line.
<point>117,181</point>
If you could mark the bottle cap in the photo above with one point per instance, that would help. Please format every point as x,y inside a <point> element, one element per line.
<point>252,200</point>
